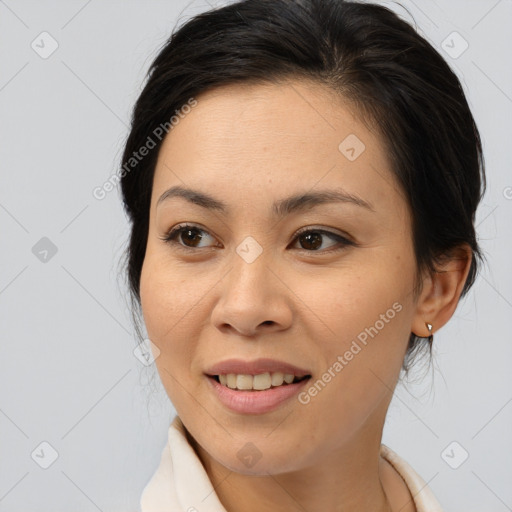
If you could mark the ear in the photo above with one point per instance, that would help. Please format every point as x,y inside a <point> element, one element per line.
<point>441,291</point>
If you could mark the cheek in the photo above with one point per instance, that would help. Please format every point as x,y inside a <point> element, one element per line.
<point>367,317</point>
<point>168,296</point>
<point>362,301</point>
<point>167,303</point>
<point>173,307</point>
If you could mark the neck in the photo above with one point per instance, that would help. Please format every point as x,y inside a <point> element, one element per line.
<point>348,478</point>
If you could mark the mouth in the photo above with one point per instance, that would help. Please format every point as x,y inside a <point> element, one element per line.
<point>256,394</point>
<point>258,382</point>
<point>256,387</point>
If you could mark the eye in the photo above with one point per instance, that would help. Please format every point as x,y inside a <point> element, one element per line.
<point>312,240</point>
<point>188,235</point>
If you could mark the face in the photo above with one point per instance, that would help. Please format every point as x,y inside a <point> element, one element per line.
<point>319,288</point>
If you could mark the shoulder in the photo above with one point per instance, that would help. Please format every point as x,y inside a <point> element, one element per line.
<point>424,499</point>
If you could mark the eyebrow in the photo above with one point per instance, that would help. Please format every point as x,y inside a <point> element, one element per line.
<point>281,208</point>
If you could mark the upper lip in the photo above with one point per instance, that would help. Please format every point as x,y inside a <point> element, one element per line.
<point>241,367</point>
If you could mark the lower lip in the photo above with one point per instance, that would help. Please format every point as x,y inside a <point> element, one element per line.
<point>255,402</point>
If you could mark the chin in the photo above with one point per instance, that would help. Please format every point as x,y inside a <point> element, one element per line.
<point>259,469</point>
<point>256,459</point>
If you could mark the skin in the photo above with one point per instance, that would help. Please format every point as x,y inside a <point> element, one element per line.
<point>205,304</point>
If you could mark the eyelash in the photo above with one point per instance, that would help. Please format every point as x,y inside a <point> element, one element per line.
<point>171,236</point>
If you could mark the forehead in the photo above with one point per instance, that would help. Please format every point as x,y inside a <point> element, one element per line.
<point>279,117</point>
<point>264,139</point>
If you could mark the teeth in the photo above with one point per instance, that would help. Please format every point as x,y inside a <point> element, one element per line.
<point>261,381</point>
<point>277,378</point>
<point>258,382</point>
<point>244,381</point>
<point>231,380</point>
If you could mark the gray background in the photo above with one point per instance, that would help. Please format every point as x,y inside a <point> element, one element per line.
<point>68,373</point>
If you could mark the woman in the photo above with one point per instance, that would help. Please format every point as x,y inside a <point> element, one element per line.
<point>301,179</point>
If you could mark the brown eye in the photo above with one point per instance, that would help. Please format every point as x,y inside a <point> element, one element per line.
<point>188,237</point>
<point>312,239</point>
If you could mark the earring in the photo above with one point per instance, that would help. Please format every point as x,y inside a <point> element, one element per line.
<point>431,336</point>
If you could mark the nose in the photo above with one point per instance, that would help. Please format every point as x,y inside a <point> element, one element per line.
<point>252,299</point>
